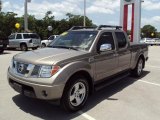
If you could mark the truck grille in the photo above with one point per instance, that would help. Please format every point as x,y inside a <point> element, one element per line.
<point>22,69</point>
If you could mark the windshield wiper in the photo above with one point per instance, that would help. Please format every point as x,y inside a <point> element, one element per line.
<point>65,47</point>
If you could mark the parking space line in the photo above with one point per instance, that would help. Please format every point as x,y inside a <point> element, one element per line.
<point>88,117</point>
<point>149,83</point>
<point>154,59</point>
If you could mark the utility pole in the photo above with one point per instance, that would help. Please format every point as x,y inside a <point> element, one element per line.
<point>0,5</point>
<point>84,19</point>
<point>26,15</point>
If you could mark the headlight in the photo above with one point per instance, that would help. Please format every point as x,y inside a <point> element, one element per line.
<point>11,63</point>
<point>48,71</point>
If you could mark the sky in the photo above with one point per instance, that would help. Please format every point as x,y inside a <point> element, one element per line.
<point>99,11</point>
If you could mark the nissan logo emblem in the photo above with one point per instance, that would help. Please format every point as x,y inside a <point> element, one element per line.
<point>21,67</point>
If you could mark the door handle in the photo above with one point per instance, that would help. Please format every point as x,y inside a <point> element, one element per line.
<point>91,59</point>
<point>115,55</point>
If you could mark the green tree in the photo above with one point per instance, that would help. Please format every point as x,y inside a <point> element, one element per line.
<point>7,24</point>
<point>63,25</point>
<point>158,34</point>
<point>48,20</point>
<point>148,30</point>
<point>69,15</point>
<point>77,20</point>
<point>128,32</point>
<point>40,29</point>
<point>9,19</point>
<point>20,20</point>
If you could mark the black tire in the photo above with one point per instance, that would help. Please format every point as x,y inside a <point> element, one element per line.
<point>24,47</point>
<point>43,45</point>
<point>1,51</point>
<point>137,72</point>
<point>34,48</point>
<point>4,46</point>
<point>71,93</point>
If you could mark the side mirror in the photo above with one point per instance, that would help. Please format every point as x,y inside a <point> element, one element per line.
<point>105,47</point>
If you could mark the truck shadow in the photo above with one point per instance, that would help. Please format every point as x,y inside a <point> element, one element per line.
<point>47,111</point>
<point>108,92</point>
<point>13,49</point>
<point>4,53</point>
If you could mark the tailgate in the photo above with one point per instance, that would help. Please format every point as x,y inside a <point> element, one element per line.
<point>2,42</point>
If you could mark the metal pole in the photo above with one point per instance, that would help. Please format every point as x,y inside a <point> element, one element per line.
<point>0,5</point>
<point>25,16</point>
<point>84,19</point>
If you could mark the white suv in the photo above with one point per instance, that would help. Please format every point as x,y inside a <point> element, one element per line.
<point>24,41</point>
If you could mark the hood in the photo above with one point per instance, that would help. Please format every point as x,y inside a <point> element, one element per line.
<point>43,40</point>
<point>48,56</point>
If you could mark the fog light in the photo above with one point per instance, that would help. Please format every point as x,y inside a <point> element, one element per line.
<point>44,93</point>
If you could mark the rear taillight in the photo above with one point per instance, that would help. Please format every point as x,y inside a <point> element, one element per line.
<point>30,41</point>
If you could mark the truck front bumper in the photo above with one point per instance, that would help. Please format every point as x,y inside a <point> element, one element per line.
<point>34,90</point>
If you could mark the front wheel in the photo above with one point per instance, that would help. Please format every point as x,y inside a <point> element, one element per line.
<point>75,94</point>
<point>137,72</point>
<point>43,45</point>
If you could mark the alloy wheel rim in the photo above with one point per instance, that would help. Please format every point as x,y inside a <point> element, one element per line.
<point>23,48</point>
<point>140,67</point>
<point>77,94</point>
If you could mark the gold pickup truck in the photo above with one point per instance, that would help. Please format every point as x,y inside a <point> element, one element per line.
<point>77,63</point>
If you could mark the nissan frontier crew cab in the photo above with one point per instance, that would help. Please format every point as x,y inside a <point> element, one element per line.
<point>76,64</point>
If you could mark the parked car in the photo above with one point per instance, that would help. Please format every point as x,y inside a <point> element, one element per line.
<point>3,44</point>
<point>44,43</point>
<point>76,64</point>
<point>148,41</point>
<point>157,41</point>
<point>24,41</point>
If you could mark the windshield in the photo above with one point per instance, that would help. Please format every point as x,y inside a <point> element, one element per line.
<point>75,39</point>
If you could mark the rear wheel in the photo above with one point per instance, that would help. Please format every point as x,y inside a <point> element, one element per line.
<point>43,45</point>
<point>137,72</point>
<point>24,47</point>
<point>1,51</point>
<point>34,48</point>
<point>75,94</point>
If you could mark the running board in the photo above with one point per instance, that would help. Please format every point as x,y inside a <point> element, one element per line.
<point>110,81</point>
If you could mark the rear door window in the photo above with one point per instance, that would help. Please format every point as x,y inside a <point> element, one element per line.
<point>121,39</point>
<point>19,36</point>
<point>26,36</point>
<point>35,36</point>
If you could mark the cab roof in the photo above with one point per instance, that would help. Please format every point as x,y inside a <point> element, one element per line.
<point>100,27</point>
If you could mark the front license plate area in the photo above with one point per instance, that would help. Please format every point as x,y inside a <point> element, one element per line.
<point>17,87</point>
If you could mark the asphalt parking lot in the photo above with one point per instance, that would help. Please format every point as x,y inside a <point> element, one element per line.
<point>128,99</point>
